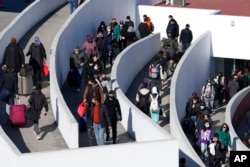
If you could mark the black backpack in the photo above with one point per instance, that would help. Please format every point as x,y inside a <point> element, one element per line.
<point>143,99</point>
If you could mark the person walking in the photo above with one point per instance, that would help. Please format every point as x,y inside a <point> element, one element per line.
<point>13,56</point>
<point>37,101</point>
<point>225,140</point>
<point>186,38</point>
<point>77,63</point>
<point>8,89</point>
<point>115,115</point>
<point>233,86</point>
<point>99,119</point>
<point>38,58</point>
<point>143,28</point>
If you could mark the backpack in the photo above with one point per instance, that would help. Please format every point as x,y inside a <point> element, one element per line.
<point>143,99</point>
<point>154,71</point>
<point>154,105</point>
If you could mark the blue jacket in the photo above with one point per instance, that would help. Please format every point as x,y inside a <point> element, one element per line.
<point>103,115</point>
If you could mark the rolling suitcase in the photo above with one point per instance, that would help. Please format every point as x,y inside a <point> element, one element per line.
<point>25,85</point>
<point>17,114</point>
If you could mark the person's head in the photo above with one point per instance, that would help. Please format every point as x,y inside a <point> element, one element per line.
<point>215,137</point>
<point>202,105</point>
<point>89,38</point>
<point>37,41</point>
<point>121,22</point>
<point>39,86</point>
<point>194,97</point>
<point>95,57</point>
<point>219,74</point>
<point>206,124</point>
<point>77,50</point>
<point>235,77</point>
<point>224,127</point>
<point>111,94</point>
<point>145,16</point>
<point>187,26</point>
<point>206,117</point>
<point>96,100</point>
<point>170,17</point>
<point>209,82</point>
<point>145,19</point>
<point>128,18</point>
<point>12,40</point>
<point>108,28</point>
<point>103,76</point>
<point>92,81</point>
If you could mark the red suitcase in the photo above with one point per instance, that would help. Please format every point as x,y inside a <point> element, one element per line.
<point>17,115</point>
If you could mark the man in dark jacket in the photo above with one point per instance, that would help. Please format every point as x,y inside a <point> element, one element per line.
<point>143,29</point>
<point>186,38</point>
<point>37,101</point>
<point>38,57</point>
<point>13,56</point>
<point>99,119</point>
<point>114,110</point>
<point>172,28</point>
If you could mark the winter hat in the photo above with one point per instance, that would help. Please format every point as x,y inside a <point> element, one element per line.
<point>13,40</point>
<point>154,90</point>
<point>37,41</point>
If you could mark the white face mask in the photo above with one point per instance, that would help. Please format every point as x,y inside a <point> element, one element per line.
<point>108,30</point>
<point>209,84</point>
<point>194,101</point>
<point>96,67</point>
<point>202,107</point>
<point>90,64</point>
<point>207,126</point>
<point>76,52</point>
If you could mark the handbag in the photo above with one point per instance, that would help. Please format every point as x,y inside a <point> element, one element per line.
<point>81,110</point>
<point>45,70</point>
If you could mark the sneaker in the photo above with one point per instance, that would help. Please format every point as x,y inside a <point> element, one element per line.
<point>38,137</point>
<point>78,90</point>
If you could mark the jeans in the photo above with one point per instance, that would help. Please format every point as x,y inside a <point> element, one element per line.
<point>185,46</point>
<point>99,134</point>
<point>204,151</point>
<point>72,5</point>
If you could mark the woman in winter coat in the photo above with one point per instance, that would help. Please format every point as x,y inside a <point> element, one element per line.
<point>37,59</point>
<point>225,139</point>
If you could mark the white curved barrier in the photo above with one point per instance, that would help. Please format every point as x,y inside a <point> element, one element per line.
<point>231,109</point>
<point>189,75</point>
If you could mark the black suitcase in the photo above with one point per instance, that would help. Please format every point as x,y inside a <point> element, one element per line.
<point>26,70</point>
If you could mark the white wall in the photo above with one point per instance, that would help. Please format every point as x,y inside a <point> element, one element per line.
<point>230,112</point>
<point>189,76</point>
<point>24,21</point>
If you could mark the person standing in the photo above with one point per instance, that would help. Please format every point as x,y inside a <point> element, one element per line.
<point>129,22</point>
<point>143,28</point>
<point>208,94</point>
<point>220,81</point>
<point>115,115</point>
<point>13,56</point>
<point>99,119</point>
<point>186,38</point>
<point>233,86</point>
<point>77,63</point>
<point>225,140</point>
<point>38,57</point>
<point>37,101</point>
<point>172,27</point>
<point>8,89</point>
<point>142,98</point>
<point>205,135</point>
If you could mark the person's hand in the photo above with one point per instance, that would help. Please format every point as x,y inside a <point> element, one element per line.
<point>81,64</point>
<point>46,113</point>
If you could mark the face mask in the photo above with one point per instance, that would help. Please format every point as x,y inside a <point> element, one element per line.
<point>90,64</point>
<point>202,107</point>
<point>108,30</point>
<point>209,84</point>
<point>76,52</point>
<point>96,68</point>
<point>194,101</point>
<point>207,126</point>
<point>104,79</point>
<point>111,97</point>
